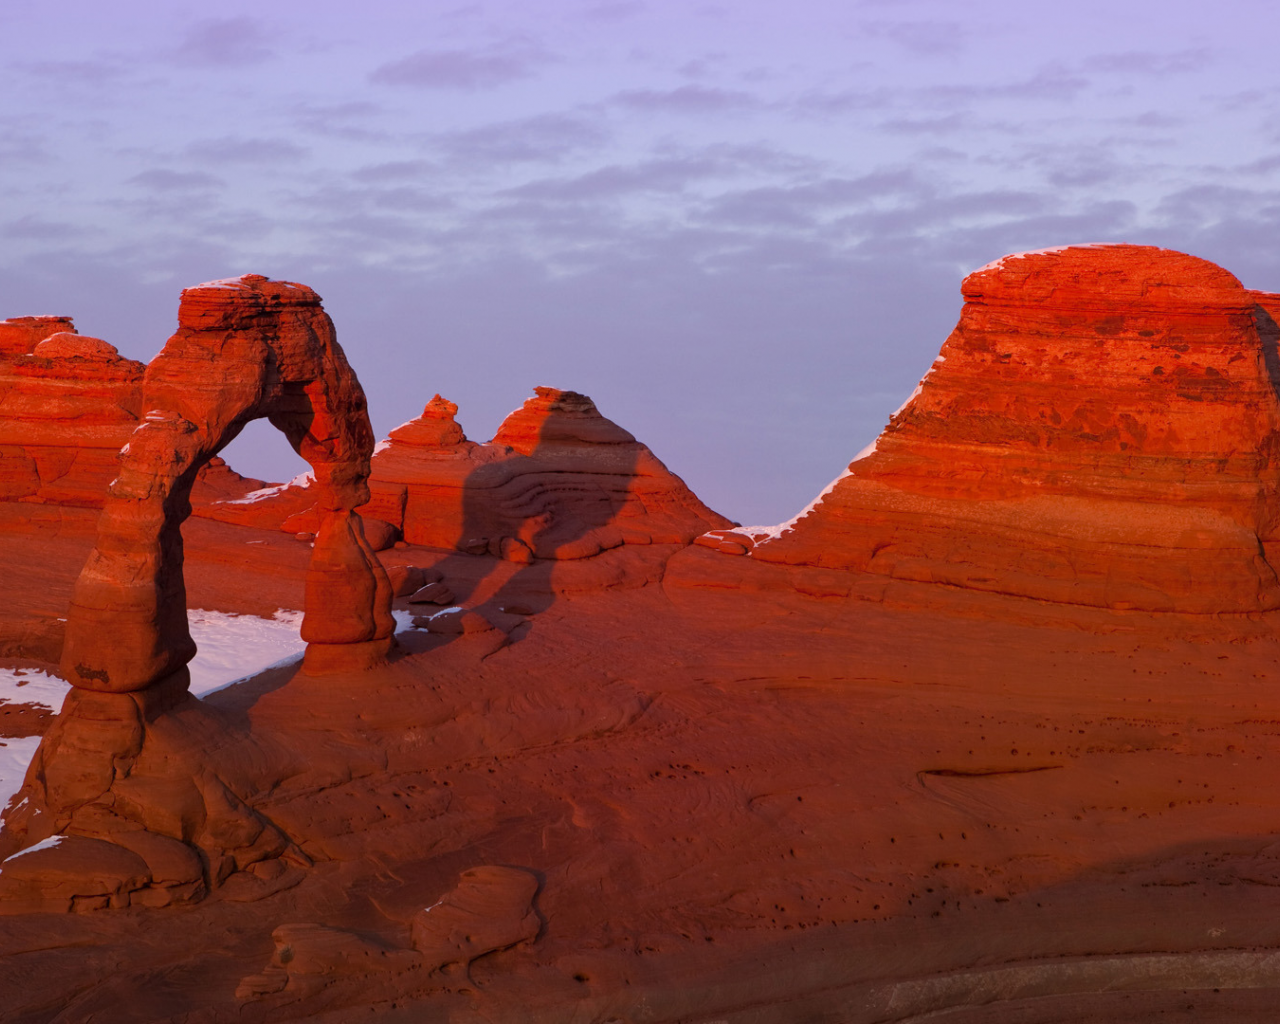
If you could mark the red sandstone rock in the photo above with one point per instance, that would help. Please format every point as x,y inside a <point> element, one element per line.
<point>245,348</point>
<point>21,334</point>
<point>491,908</point>
<point>67,406</point>
<point>431,593</point>
<point>558,481</point>
<point>1102,428</point>
<point>878,810</point>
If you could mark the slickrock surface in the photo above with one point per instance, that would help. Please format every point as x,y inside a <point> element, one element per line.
<point>661,783</point>
<point>1102,428</point>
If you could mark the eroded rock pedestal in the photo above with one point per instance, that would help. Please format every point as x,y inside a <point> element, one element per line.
<point>134,799</point>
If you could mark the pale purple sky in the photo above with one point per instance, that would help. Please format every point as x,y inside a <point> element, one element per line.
<point>740,227</point>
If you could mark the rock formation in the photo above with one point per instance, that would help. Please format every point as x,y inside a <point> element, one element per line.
<point>68,404</point>
<point>1101,428</point>
<point>558,481</point>
<point>650,802</point>
<point>245,348</point>
<point>137,795</point>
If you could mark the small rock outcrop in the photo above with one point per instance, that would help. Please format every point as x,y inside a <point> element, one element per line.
<point>558,481</point>
<point>68,404</point>
<point>245,348</point>
<point>1101,428</point>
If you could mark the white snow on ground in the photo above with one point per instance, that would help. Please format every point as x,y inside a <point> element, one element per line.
<point>15,757</point>
<point>222,282</point>
<point>231,648</point>
<point>301,480</point>
<point>31,686</point>
<point>44,844</point>
<point>404,619</point>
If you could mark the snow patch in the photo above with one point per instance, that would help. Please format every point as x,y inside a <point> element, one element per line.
<point>44,844</point>
<point>15,759</point>
<point>382,446</point>
<point>997,264</point>
<point>222,282</point>
<point>230,648</point>
<point>32,686</point>
<point>404,618</point>
<point>302,480</point>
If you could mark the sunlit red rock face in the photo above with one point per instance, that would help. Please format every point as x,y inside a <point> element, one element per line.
<point>1101,428</point>
<point>245,348</point>
<point>558,481</point>
<point>68,404</point>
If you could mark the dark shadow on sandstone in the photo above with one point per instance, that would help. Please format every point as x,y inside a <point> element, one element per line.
<point>538,511</point>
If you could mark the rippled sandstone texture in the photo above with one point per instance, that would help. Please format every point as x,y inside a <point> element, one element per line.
<point>1101,428</point>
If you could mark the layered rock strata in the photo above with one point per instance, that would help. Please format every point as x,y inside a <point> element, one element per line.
<point>1101,428</point>
<point>245,348</point>
<point>558,481</point>
<point>68,404</point>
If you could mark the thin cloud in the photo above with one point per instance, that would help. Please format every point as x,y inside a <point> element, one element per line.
<point>617,180</point>
<point>547,137</point>
<point>619,10</point>
<point>162,179</point>
<point>351,120</point>
<point>232,149</point>
<point>86,72</point>
<point>1147,62</point>
<point>805,204</point>
<point>468,70</point>
<point>825,104</point>
<point>924,38</point>
<point>926,125</point>
<point>1052,82</point>
<point>672,172</point>
<point>687,99</point>
<point>394,170</point>
<point>35,228</point>
<point>224,42</point>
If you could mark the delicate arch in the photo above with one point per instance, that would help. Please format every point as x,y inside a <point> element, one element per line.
<point>246,348</point>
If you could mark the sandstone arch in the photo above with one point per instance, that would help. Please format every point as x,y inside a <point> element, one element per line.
<point>246,348</point>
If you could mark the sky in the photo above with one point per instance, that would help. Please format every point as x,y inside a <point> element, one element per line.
<point>740,227</point>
